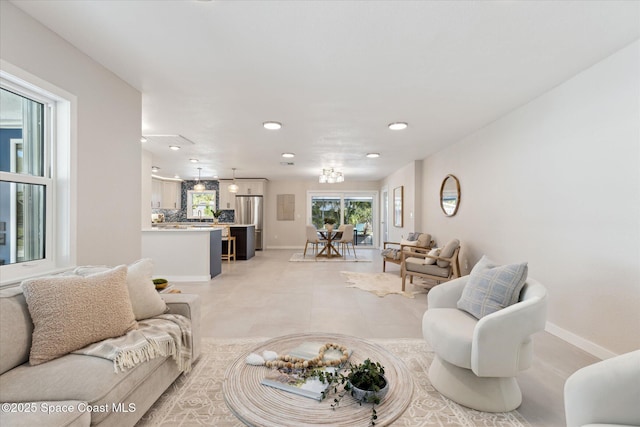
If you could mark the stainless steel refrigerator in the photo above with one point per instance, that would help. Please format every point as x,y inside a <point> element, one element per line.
<point>249,211</point>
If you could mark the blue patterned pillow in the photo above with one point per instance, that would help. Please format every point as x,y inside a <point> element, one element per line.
<point>492,287</point>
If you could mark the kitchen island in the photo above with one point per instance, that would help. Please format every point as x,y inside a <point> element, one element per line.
<point>245,240</point>
<point>184,254</point>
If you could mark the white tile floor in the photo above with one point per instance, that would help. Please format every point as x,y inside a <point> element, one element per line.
<point>269,296</point>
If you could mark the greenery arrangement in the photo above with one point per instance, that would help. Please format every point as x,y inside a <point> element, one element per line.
<point>216,213</point>
<point>160,283</point>
<point>367,376</point>
<point>355,212</point>
<point>329,221</point>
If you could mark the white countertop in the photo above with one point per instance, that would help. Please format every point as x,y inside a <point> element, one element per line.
<point>189,229</point>
<point>192,227</point>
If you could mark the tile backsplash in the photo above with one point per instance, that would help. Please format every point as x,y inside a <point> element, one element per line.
<point>180,215</point>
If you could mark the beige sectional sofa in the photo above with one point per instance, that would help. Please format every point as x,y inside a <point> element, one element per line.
<point>78,390</point>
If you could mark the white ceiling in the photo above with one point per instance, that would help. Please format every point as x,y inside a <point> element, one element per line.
<point>334,73</point>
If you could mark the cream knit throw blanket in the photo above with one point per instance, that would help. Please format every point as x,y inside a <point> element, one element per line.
<point>160,336</point>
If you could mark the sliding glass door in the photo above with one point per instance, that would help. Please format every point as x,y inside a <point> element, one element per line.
<point>357,208</point>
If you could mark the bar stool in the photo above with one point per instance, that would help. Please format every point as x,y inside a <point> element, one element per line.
<point>231,244</point>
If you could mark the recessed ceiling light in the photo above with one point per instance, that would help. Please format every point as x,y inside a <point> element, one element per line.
<point>143,139</point>
<point>272,125</point>
<point>154,169</point>
<point>398,126</point>
<point>176,176</point>
<point>373,155</point>
<point>174,147</point>
<point>193,160</point>
<point>288,155</point>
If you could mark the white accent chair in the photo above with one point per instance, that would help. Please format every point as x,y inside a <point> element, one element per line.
<point>347,237</point>
<point>476,361</point>
<point>313,239</point>
<point>606,393</point>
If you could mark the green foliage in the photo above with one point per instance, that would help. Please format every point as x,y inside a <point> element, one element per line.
<point>358,212</point>
<point>367,375</point>
<point>355,211</point>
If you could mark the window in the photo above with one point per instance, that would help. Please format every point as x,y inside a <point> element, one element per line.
<point>34,180</point>
<point>357,208</point>
<point>24,185</point>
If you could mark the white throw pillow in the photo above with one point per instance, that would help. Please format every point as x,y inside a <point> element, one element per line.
<point>432,252</point>
<point>145,300</point>
<point>408,242</point>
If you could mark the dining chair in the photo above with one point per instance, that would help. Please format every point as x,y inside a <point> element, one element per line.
<point>347,237</point>
<point>231,244</point>
<point>312,238</point>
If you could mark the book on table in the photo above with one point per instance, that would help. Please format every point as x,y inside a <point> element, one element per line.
<point>294,381</point>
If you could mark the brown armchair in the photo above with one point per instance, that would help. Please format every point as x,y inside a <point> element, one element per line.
<point>392,251</point>
<point>441,268</point>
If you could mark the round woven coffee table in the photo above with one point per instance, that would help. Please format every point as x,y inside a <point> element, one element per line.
<point>259,405</point>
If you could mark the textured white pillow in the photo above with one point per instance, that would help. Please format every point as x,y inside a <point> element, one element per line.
<point>71,312</point>
<point>408,242</point>
<point>145,300</point>
<point>432,252</point>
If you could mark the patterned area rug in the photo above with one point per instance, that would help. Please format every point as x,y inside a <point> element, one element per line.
<point>311,257</point>
<point>196,398</point>
<point>382,284</point>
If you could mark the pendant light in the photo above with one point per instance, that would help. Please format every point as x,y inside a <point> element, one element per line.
<point>233,187</point>
<point>199,187</point>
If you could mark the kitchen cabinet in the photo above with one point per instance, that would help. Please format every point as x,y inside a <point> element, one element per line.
<point>254,187</point>
<point>171,195</point>
<point>226,200</point>
<point>156,193</point>
<point>165,194</point>
<point>245,241</point>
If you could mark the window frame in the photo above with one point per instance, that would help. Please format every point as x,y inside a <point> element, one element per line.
<point>345,194</point>
<point>58,177</point>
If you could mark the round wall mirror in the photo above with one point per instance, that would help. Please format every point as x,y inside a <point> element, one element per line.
<point>450,195</point>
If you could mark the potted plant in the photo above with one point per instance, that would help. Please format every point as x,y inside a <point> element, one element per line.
<point>216,215</point>
<point>364,381</point>
<point>328,223</point>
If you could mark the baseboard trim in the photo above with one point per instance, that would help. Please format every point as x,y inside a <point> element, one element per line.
<point>578,341</point>
<point>301,248</point>
<point>186,278</point>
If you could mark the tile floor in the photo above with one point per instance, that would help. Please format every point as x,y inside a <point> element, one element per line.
<point>269,296</point>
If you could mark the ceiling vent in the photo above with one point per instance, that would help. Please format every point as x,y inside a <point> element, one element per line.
<point>287,163</point>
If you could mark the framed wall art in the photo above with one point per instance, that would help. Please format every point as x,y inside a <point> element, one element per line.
<point>397,206</point>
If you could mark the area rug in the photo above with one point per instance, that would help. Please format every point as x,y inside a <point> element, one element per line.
<point>311,257</point>
<point>196,398</point>
<point>382,284</point>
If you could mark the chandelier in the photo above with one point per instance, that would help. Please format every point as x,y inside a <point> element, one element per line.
<point>233,187</point>
<point>330,176</point>
<point>199,187</point>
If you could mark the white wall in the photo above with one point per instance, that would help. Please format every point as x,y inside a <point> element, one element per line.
<point>109,114</point>
<point>291,234</point>
<point>557,183</point>
<point>410,178</point>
